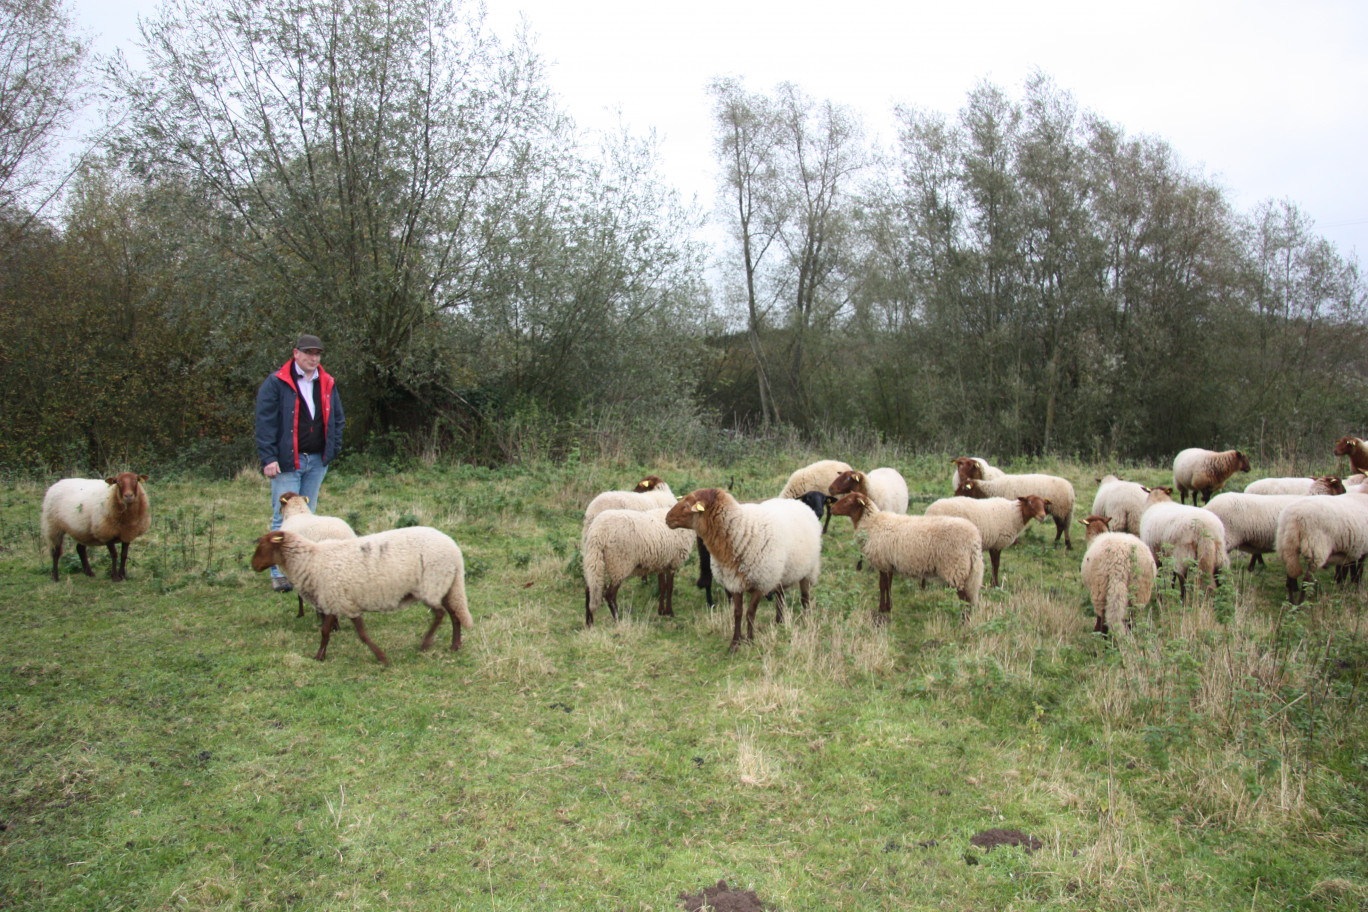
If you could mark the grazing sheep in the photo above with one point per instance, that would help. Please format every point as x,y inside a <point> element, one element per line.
<point>886,487</point>
<point>967,467</point>
<point>295,516</point>
<point>1325,484</point>
<point>1118,571</point>
<point>1121,502</point>
<point>1192,534</point>
<point>623,543</point>
<point>815,477</point>
<point>758,548</point>
<point>380,572</point>
<point>1204,471</point>
<point>1356,450</point>
<point>650,493</point>
<point>1057,492</point>
<point>1315,532</point>
<point>947,548</point>
<point>999,519</point>
<point>95,512</point>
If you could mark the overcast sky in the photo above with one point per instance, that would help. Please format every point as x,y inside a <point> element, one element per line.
<point>1266,97</point>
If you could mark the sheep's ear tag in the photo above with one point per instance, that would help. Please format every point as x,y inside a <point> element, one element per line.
<point>699,508</point>
<point>856,478</point>
<point>645,482</point>
<point>306,499</point>
<point>278,538</point>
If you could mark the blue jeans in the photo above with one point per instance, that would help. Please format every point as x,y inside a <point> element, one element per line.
<point>306,480</point>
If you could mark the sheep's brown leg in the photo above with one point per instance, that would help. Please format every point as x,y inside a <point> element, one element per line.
<point>611,598</point>
<point>667,593</point>
<point>886,597</point>
<point>779,606</point>
<point>737,609</point>
<point>437,615</point>
<point>750,615</point>
<point>300,613</point>
<point>588,614</point>
<point>329,621</point>
<point>56,556</point>
<point>995,556</point>
<point>361,632</point>
<point>116,572</point>
<point>85,560</point>
<point>805,594</point>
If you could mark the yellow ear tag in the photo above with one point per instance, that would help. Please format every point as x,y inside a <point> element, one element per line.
<point>644,481</point>
<point>699,508</point>
<point>278,537</point>
<point>306,500</point>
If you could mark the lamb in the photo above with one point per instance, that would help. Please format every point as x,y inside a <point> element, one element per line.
<point>1356,450</point>
<point>1205,471</point>
<point>1121,502</point>
<point>1057,492</point>
<point>380,572</point>
<point>967,467</point>
<point>623,543</point>
<point>886,487</point>
<point>1325,484</point>
<point>948,548</point>
<point>999,519</point>
<point>815,477</point>
<point>650,493</point>
<point>1118,571</point>
<point>758,548</point>
<point>1194,535</point>
<point>295,516</point>
<point>95,512</point>
<point>1317,531</point>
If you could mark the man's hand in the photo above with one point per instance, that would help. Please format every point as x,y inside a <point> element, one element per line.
<point>271,469</point>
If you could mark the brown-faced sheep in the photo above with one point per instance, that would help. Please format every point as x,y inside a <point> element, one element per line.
<point>1356,450</point>
<point>999,519</point>
<point>1057,492</point>
<point>1205,471</point>
<point>295,516</point>
<point>95,512</point>
<point>1118,571</point>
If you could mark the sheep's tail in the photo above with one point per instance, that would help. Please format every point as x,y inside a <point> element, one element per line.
<point>595,573</point>
<point>975,581</point>
<point>1116,603</point>
<point>1296,551</point>
<point>455,600</point>
<point>1208,558</point>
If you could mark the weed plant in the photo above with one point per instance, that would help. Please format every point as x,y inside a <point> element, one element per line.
<point>169,743</point>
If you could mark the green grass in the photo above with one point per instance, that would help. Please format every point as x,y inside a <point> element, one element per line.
<point>169,743</point>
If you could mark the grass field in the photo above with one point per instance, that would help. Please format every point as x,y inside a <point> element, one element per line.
<point>169,743</point>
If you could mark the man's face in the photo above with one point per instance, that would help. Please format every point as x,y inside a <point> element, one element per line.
<point>307,359</point>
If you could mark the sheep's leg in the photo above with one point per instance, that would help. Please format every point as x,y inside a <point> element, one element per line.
<point>361,632</point>
<point>805,593</point>
<point>1101,625</point>
<point>995,556</point>
<point>750,615</point>
<point>85,559</point>
<point>611,598</point>
<point>116,566</point>
<point>329,622</point>
<point>437,615</point>
<point>56,556</point>
<point>705,577</point>
<point>455,628</point>
<point>738,608</point>
<point>666,606</point>
<point>1294,589</point>
<point>886,597</point>
<point>1255,560</point>
<point>779,606</point>
<point>588,612</point>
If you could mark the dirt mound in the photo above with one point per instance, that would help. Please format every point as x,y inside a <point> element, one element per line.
<point>721,898</point>
<point>991,839</point>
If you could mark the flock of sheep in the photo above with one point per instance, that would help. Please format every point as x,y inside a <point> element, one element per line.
<point>771,548</point>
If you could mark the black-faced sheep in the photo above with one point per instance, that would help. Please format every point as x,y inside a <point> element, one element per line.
<point>380,572</point>
<point>759,548</point>
<point>947,548</point>
<point>623,543</point>
<point>1205,471</point>
<point>999,519</point>
<point>95,512</point>
<point>1118,571</point>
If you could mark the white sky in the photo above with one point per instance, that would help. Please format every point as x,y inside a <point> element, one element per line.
<point>1266,97</point>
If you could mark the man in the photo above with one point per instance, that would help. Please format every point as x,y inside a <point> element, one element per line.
<point>299,424</point>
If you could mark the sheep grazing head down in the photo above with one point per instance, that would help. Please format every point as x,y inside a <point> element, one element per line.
<point>127,483</point>
<point>268,550</point>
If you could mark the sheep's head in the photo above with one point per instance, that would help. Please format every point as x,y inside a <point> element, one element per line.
<point>649,483</point>
<point>855,505</point>
<point>1346,445</point>
<point>968,467</point>
<point>1159,494</point>
<point>1241,462</point>
<point>127,483</point>
<point>686,511</point>
<point>847,481</point>
<point>1095,525</point>
<point>292,495</point>
<point>969,487</point>
<point>1033,506</point>
<point>1327,484</point>
<point>268,550</point>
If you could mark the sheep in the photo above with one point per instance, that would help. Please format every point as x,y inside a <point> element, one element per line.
<point>1356,450</point>
<point>947,548</point>
<point>95,512</point>
<point>967,467</point>
<point>1121,502</point>
<point>1193,534</point>
<point>380,572</point>
<point>815,477</point>
<point>758,548</point>
<point>295,516</point>
<point>886,487</point>
<point>999,519</point>
<point>1118,571</point>
<point>650,493</point>
<point>1325,484</point>
<point>815,500</point>
<point>1250,521</point>
<point>1057,492</point>
<point>623,543</point>
<point>1314,532</point>
<point>1204,471</point>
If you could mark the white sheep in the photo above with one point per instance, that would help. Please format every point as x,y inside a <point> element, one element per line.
<point>95,512</point>
<point>885,486</point>
<point>1191,534</point>
<point>380,572</point>
<point>650,494</point>
<point>1315,532</point>
<point>815,477</point>
<point>759,548</point>
<point>999,519</point>
<point>296,517</point>
<point>1118,571</point>
<point>1325,484</point>
<point>623,543</point>
<point>1058,492</point>
<point>1205,471</point>
<point>947,548</point>
<point>1251,520</point>
<point>967,467</point>
<point>1122,502</point>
